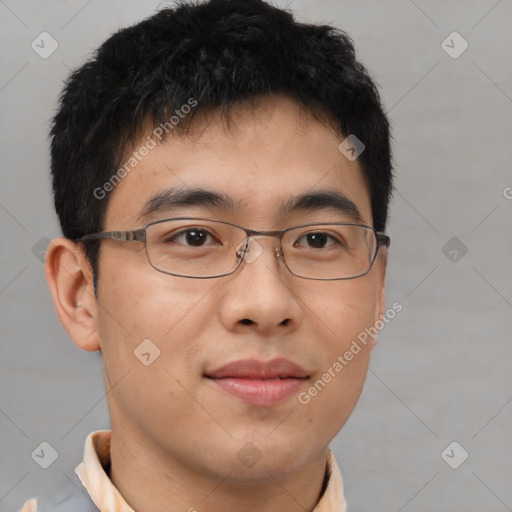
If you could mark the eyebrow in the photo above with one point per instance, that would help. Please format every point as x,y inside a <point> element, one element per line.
<point>174,198</point>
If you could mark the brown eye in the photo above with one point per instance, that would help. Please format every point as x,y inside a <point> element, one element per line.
<point>194,237</point>
<point>317,240</point>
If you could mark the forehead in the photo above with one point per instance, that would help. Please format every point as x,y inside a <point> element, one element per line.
<point>267,161</point>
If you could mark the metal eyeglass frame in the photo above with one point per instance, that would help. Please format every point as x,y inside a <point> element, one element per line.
<point>139,235</point>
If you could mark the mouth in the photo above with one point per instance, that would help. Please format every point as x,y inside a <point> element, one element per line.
<point>259,383</point>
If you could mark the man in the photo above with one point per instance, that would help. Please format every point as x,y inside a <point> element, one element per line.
<point>222,176</point>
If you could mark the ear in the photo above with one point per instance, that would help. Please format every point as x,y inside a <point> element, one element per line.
<point>69,277</point>
<point>380,309</point>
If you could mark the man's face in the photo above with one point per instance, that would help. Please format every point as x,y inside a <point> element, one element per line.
<point>261,311</point>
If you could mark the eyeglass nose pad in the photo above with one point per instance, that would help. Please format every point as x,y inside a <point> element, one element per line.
<point>249,250</point>
<point>242,248</point>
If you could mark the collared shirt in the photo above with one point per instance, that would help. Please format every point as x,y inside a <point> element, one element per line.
<point>102,496</point>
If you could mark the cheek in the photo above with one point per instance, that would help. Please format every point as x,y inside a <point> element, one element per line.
<point>344,314</point>
<point>333,392</point>
<point>143,302</point>
<point>344,310</point>
<point>147,312</point>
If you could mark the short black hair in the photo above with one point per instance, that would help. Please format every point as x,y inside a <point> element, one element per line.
<point>220,53</point>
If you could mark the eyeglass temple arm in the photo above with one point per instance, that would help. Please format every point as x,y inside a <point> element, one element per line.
<point>138,235</point>
<point>383,239</point>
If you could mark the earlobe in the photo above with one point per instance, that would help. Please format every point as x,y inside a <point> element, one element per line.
<point>70,280</point>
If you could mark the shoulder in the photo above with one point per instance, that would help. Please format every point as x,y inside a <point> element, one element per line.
<point>29,505</point>
<point>71,495</point>
<point>73,498</point>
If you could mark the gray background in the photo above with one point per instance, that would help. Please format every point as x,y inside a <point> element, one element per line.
<point>442,369</point>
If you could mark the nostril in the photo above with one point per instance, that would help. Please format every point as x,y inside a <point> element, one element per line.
<point>246,321</point>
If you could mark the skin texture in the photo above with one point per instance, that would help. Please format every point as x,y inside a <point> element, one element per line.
<point>175,436</point>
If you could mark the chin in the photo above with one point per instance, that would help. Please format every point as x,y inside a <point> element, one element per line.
<point>257,460</point>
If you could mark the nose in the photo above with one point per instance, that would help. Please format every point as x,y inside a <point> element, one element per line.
<point>260,295</point>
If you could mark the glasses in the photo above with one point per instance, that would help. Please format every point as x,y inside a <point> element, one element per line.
<point>204,248</point>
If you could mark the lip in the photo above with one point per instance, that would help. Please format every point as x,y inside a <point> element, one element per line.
<point>259,383</point>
